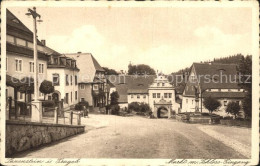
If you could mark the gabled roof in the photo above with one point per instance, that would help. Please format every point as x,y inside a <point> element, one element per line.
<point>210,76</point>
<point>15,27</point>
<point>96,64</point>
<point>129,84</point>
<point>88,66</point>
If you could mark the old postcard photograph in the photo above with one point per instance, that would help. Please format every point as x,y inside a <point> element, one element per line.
<point>129,83</point>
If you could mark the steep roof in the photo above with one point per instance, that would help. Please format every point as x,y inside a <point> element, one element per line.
<point>96,64</point>
<point>217,76</point>
<point>88,66</point>
<point>15,27</point>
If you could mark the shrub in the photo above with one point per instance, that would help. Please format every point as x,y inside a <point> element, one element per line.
<point>46,87</point>
<point>233,108</point>
<point>211,104</point>
<point>139,107</point>
<point>48,103</point>
<point>115,109</point>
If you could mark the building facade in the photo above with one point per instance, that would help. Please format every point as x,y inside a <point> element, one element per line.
<point>92,81</point>
<point>63,73</point>
<point>19,57</point>
<point>156,91</point>
<point>215,80</point>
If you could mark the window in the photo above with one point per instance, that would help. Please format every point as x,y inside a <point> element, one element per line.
<point>144,96</point>
<point>186,101</point>
<point>138,96</point>
<point>76,95</point>
<point>67,98</point>
<point>95,87</point>
<point>225,103</point>
<point>192,102</point>
<point>154,95</point>
<point>158,84</point>
<point>162,84</point>
<point>237,102</point>
<point>10,39</point>
<point>158,95</point>
<point>76,80</point>
<point>82,99</point>
<point>18,65</point>
<point>67,79</point>
<point>82,86</point>
<point>31,66</point>
<point>71,80</point>
<point>238,90</point>
<point>41,68</point>
<point>132,96</point>
<point>56,79</point>
<point>165,95</point>
<point>30,45</point>
<point>21,42</point>
<point>20,96</point>
<point>55,60</point>
<point>170,95</point>
<point>71,96</point>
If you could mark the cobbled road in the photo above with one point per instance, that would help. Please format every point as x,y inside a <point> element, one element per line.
<point>109,136</point>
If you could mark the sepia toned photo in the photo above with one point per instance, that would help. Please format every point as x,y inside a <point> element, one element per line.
<point>130,83</point>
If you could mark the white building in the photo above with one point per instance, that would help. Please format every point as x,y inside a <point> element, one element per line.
<point>153,90</point>
<point>63,72</point>
<point>216,80</point>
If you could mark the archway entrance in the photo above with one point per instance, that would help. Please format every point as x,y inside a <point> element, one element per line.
<point>56,97</point>
<point>162,112</point>
<point>162,109</point>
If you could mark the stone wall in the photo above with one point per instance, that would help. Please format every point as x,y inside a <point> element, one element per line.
<point>22,136</point>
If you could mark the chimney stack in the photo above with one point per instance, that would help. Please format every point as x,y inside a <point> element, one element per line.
<point>43,42</point>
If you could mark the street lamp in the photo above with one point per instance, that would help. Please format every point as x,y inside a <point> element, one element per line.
<point>37,109</point>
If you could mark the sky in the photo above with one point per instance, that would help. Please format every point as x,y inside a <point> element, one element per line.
<point>167,39</point>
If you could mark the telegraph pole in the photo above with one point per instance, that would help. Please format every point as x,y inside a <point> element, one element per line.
<point>37,105</point>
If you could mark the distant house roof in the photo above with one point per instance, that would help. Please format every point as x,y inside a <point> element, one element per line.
<point>210,76</point>
<point>129,84</point>
<point>224,94</point>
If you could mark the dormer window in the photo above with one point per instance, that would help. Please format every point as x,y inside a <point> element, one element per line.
<point>55,61</point>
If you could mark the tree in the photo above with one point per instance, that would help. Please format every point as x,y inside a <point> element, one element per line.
<point>211,104</point>
<point>233,108</point>
<point>110,71</point>
<point>114,103</point>
<point>245,82</point>
<point>46,87</point>
<point>114,98</point>
<point>140,69</point>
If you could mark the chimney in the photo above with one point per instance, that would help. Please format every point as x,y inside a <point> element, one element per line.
<point>43,42</point>
<point>79,52</point>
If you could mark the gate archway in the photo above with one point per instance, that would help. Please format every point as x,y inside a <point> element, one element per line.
<point>162,109</point>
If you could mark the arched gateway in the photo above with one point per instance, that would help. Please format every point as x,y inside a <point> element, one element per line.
<point>162,109</point>
<point>162,97</point>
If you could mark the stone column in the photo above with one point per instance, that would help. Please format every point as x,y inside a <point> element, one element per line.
<point>169,112</point>
<point>36,111</point>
